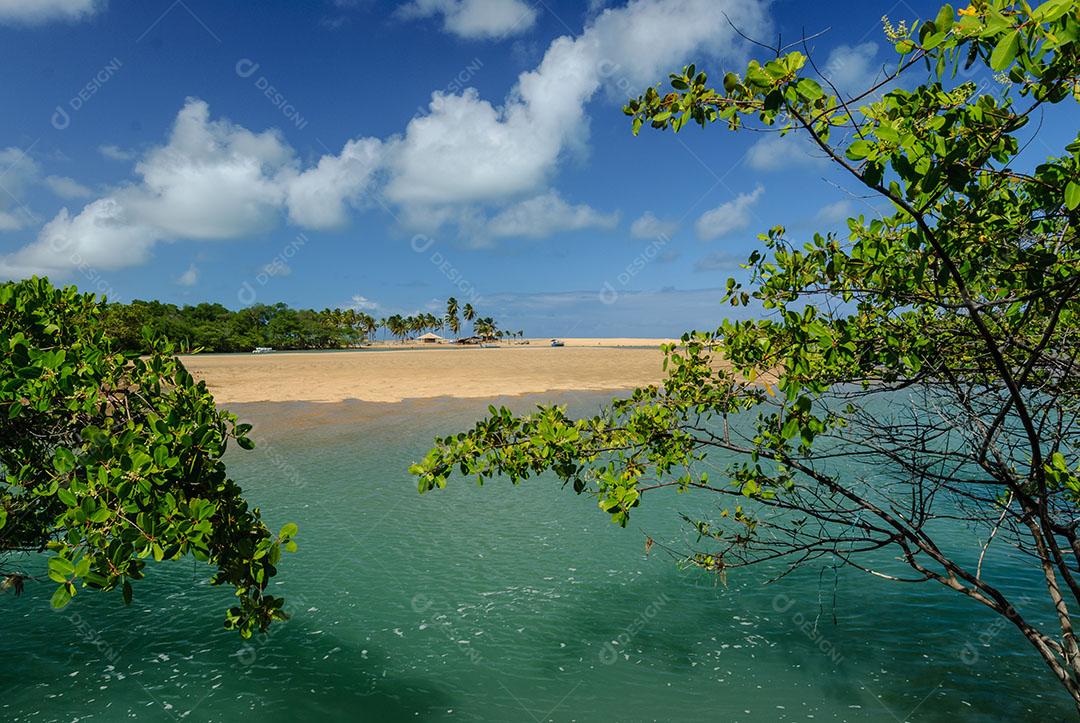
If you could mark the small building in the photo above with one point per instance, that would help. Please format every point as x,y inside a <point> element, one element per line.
<point>430,338</point>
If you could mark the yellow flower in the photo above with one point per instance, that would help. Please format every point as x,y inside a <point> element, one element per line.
<point>967,11</point>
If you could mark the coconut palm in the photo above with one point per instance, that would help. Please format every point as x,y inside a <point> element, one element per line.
<point>469,313</point>
<point>452,316</point>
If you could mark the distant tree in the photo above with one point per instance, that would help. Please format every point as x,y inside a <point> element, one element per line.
<point>452,316</point>
<point>936,349</point>
<point>468,313</point>
<point>109,459</point>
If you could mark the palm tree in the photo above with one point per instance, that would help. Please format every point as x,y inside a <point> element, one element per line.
<point>485,328</point>
<point>451,316</point>
<point>469,313</point>
<point>398,326</point>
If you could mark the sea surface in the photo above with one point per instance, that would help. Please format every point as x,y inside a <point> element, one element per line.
<point>502,603</point>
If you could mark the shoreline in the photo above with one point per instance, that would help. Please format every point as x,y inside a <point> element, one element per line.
<point>395,345</point>
<point>430,371</point>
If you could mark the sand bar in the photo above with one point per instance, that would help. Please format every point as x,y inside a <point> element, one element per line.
<point>398,374</point>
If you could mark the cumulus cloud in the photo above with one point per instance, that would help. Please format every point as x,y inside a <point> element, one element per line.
<point>211,180</point>
<point>104,235</point>
<point>729,217</point>
<point>35,12</point>
<point>475,19</point>
<point>851,68</point>
<point>320,197</point>
<point>648,226</point>
<point>65,187</point>
<point>454,163</point>
<point>544,215</point>
<point>466,148</point>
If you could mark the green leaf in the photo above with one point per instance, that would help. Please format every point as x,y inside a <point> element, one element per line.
<point>62,596</point>
<point>1072,195</point>
<point>288,530</point>
<point>63,460</point>
<point>61,567</point>
<point>1005,51</point>
<point>859,150</point>
<point>945,17</point>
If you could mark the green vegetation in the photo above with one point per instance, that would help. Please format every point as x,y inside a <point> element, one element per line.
<point>213,328</point>
<point>936,346</point>
<point>108,459</point>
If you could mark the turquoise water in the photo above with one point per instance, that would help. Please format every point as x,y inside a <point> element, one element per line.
<point>501,603</point>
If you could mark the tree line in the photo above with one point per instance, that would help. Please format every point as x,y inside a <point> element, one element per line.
<point>212,327</point>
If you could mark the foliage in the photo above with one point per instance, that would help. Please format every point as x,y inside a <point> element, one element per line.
<point>936,346</point>
<point>403,327</point>
<point>109,458</point>
<point>213,328</point>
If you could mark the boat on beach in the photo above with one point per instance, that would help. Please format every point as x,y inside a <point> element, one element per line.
<point>556,342</point>
<point>262,350</point>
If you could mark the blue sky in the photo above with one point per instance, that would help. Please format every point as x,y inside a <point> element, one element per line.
<point>388,155</point>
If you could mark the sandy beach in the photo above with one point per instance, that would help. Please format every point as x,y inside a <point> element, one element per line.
<point>393,375</point>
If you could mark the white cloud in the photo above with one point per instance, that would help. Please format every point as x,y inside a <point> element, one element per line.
<point>363,303</point>
<point>213,179</point>
<point>728,217</point>
<point>544,215</point>
<point>115,153</point>
<point>15,219</point>
<point>467,149</point>
<point>475,19</point>
<point>719,261</point>
<point>17,171</point>
<point>648,226</point>
<point>852,68</point>
<point>835,212</point>
<point>103,235</point>
<point>65,187</point>
<point>775,152</point>
<point>277,268</point>
<point>33,12</point>
<point>189,277</point>
<point>318,197</point>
